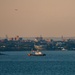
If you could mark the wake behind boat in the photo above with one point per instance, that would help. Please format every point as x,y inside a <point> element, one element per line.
<point>36,53</point>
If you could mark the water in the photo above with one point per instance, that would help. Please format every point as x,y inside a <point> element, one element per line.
<point>54,63</point>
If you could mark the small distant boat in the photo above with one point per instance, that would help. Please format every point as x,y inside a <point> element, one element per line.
<point>63,49</point>
<point>36,53</point>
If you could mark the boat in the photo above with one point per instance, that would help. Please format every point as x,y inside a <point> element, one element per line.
<point>63,49</point>
<point>36,53</point>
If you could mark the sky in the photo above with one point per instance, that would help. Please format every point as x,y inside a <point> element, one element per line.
<point>30,18</point>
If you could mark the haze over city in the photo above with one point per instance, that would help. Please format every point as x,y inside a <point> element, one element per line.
<point>28,18</point>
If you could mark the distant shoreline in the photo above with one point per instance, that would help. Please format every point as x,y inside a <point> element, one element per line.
<point>30,50</point>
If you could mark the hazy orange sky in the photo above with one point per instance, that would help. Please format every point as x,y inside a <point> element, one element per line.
<point>37,17</point>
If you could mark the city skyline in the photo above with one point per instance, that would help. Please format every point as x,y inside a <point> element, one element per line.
<point>31,18</point>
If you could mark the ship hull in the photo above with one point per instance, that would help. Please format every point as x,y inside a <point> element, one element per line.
<point>36,54</point>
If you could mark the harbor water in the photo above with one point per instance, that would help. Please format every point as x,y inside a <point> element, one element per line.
<point>54,63</point>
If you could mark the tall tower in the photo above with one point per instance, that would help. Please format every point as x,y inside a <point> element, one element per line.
<point>63,39</point>
<point>6,37</point>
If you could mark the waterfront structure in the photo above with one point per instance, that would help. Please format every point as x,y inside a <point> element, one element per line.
<point>39,44</point>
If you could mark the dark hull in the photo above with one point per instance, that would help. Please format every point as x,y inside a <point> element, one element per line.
<point>36,55</point>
